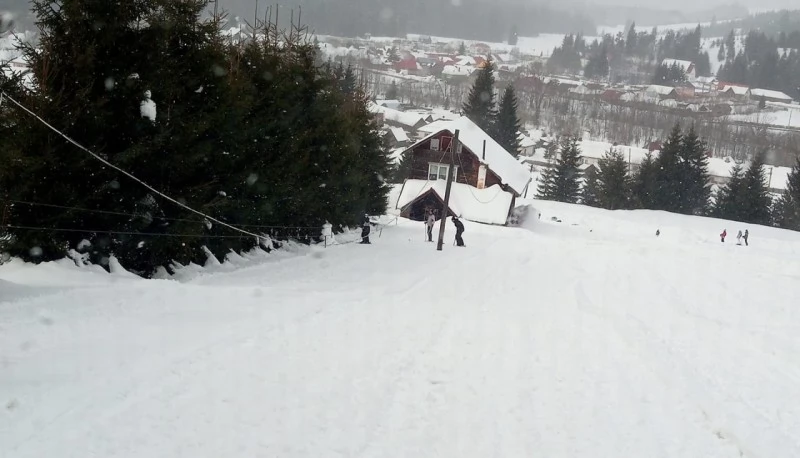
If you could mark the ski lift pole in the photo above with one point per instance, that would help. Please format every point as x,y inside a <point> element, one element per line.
<point>448,186</point>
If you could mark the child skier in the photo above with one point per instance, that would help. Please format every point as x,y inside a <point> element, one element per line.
<point>429,222</point>
<point>723,235</point>
<point>365,229</point>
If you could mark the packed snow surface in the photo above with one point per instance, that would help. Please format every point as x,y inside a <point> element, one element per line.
<point>590,337</point>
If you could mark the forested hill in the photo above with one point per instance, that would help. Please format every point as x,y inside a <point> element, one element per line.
<point>468,19</point>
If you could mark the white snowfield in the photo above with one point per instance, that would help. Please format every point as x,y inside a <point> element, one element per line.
<point>586,338</point>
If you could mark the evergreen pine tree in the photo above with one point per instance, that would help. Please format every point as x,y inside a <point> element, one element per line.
<point>393,55</point>
<point>402,169</point>
<point>462,49</point>
<point>613,181</point>
<point>694,177</point>
<point>729,197</point>
<point>562,184</point>
<point>756,201</point>
<point>787,208</point>
<point>348,80</point>
<point>631,41</point>
<point>591,189</point>
<point>730,46</point>
<point>480,105</point>
<point>668,174</point>
<point>252,133</point>
<point>762,103</point>
<point>721,52</point>
<point>507,125</point>
<point>643,184</point>
<point>392,93</point>
<point>546,186</point>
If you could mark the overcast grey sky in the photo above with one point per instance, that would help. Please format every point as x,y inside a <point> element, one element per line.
<point>687,5</point>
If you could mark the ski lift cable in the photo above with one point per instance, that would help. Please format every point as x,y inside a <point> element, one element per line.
<point>143,215</point>
<point>129,175</point>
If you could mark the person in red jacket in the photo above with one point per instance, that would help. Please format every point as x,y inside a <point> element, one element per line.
<point>723,235</point>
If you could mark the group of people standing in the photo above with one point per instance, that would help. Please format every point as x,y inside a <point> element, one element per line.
<point>430,221</point>
<point>739,236</point>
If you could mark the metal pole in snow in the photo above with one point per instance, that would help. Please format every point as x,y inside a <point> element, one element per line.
<point>448,186</point>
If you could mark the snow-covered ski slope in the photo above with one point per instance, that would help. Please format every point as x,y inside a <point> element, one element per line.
<point>585,338</point>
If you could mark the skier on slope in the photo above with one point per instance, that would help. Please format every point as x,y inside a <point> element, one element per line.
<point>739,238</point>
<point>459,230</point>
<point>365,229</point>
<point>430,220</point>
<point>723,235</point>
<point>746,236</point>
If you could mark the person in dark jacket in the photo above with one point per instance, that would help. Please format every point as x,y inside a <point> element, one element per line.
<point>365,228</point>
<point>459,230</point>
<point>746,236</point>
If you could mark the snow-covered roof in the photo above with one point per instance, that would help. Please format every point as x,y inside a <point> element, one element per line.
<point>399,117</point>
<point>660,90</point>
<point>778,177</point>
<point>393,104</point>
<point>399,134</point>
<point>527,142</point>
<point>682,64</point>
<point>489,205</point>
<point>736,90</point>
<point>499,161</point>
<point>457,70</point>
<point>770,94</point>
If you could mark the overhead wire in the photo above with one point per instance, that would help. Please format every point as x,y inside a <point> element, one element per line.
<point>127,174</point>
<point>142,215</point>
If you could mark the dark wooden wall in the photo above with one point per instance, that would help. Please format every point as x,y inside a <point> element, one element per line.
<point>466,161</point>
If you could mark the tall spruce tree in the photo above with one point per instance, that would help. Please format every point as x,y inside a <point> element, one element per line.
<point>591,189</point>
<point>756,201</point>
<point>348,81</point>
<point>392,93</point>
<point>631,41</point>
<point>507,125</point>
<point>643,184</point>
<point>728,201</point>
<point>668,174</point>
<point>787,208</point>
<point>480,105</point>
<point>254,133</point>
<point>694,192</point>
<point>613,189</point>
<point>562,183</point>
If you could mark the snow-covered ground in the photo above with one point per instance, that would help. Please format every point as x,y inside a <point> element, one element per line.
<point>589,337</point>
<point>789,117</point>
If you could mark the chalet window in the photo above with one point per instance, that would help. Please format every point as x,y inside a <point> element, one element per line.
<point>434,144</point>
<point>439,171</point>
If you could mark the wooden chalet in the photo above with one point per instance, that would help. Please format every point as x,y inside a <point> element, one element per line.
<point>479,163</point>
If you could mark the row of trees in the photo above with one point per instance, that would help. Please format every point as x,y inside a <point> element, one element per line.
<point>502,122</point>
<point>628,55</point>
<point>257,133</point>
<point>675,181</point>
<point>759,64</point>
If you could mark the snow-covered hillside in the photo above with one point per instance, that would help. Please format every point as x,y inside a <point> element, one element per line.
<point>588,337</point>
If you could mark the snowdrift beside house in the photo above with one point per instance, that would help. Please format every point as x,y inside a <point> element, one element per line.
<point>490,205</point>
